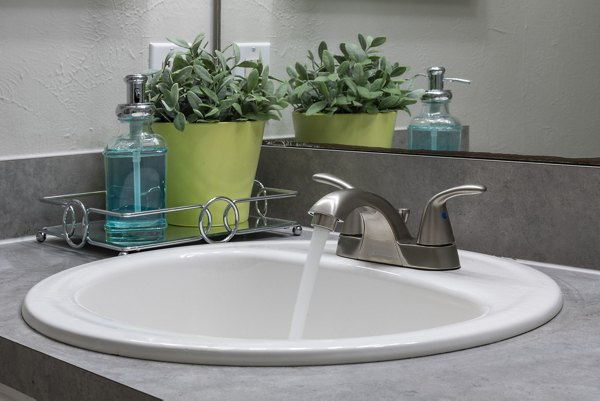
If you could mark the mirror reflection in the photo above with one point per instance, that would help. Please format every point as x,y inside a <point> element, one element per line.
<point>532,66</point>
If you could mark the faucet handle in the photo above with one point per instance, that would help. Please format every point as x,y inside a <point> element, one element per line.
<point>435,228</point>
<point>330,179</point>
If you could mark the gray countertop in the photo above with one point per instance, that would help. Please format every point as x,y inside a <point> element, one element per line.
<point>558,361</point>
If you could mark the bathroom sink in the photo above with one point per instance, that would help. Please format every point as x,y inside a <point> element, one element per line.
<point>232,304</point>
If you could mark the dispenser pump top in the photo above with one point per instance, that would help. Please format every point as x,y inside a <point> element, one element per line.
<point>136,106</point>
<point>436,91</point>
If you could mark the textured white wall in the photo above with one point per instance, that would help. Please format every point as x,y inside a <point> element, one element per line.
<point>533,63</point>
<point>63,62</point>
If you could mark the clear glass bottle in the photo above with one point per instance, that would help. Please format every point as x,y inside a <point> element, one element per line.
<point>135,172</point>
<point>435,128</point>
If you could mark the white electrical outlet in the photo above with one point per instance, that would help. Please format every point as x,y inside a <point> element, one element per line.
<point>158,52</point>
<point>251,52</point>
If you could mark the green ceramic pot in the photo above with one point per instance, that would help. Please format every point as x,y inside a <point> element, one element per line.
<point>361,129</point>
<point>209,160</point>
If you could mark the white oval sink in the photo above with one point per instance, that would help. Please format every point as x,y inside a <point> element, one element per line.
<point>232,304</point>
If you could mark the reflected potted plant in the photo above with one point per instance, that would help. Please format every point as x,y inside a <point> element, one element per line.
<point>213,123</point>
<point>350,98</point>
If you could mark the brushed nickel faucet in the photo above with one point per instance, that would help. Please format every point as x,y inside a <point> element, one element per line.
<point>373,230</point>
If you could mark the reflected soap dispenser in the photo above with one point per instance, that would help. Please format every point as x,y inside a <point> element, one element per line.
<point>135,171</point>
<point>434,128</point>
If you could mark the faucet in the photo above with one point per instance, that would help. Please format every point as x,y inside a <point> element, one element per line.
<point>373,230</point>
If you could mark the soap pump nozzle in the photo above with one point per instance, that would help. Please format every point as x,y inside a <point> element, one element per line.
<point>436,78</point>
<point>136,106</point>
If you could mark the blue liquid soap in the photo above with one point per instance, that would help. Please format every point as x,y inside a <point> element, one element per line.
<point>434,137</point>
<point>135,177</point>
<point>434,129</point>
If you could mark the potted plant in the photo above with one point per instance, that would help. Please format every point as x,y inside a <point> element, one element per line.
<point>213,123</point>
<point>349,98</point>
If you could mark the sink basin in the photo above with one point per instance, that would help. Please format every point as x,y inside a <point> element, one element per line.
<point>232,304</point>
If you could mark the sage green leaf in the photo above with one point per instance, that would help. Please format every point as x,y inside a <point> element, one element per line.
<point>389,102</point>
<point>174,94</point>
<point>198,39</point>
<point>166,77</point>
<point>377,85</point>
<point>167,106</point>
<point>328,61</point>
<point>342,100</point>
<point>238,109</point>
<point>339,59</point>
<point>194,100</point>
<point>378,41</point>
<point>343,50</point>
<point>322,48</point>
<point>416,94</point>
<point>343,68</point>
<point>301,90</point>
<point>248,64</point>
<point>291,72</point>
<point>302,74</point>
<point>163,88</point>
<point>371,109</point>
<point>265,76</point>
<point>221,58</point>
<point>252,80</point>
<point>179,62</point>
<point>183,74</point>
<point>211,94</point>
<point>180,121</point>
<point>359,75</point>
<point>268,86</point>
<point>355,53</point>
<point>282,91</point>
<point>213,112</point>
<point>236,54</point>
<point>323,89</point>
<point>351,85</point>
<point>179,42</point>
<point>316,107</point>
<point>392,91</point>
<point>362,41</point>
<point>195,50</point>
<point>396,72</point>
<point>226,84</point>
<point>367,94</point>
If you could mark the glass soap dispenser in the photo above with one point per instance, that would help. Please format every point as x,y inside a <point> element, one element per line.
<point>135,171</point>
<point>435,128</point>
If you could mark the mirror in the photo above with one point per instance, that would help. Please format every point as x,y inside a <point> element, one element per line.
<point>532,65</point>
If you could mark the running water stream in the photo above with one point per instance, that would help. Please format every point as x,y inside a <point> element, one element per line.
<point>307,283</point>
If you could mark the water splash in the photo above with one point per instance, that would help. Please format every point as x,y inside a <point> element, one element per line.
<point>307,283</point>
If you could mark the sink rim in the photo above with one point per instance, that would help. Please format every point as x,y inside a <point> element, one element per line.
<point>103,335</point>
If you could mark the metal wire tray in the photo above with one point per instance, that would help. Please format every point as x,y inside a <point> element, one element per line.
<point>78,229</point>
